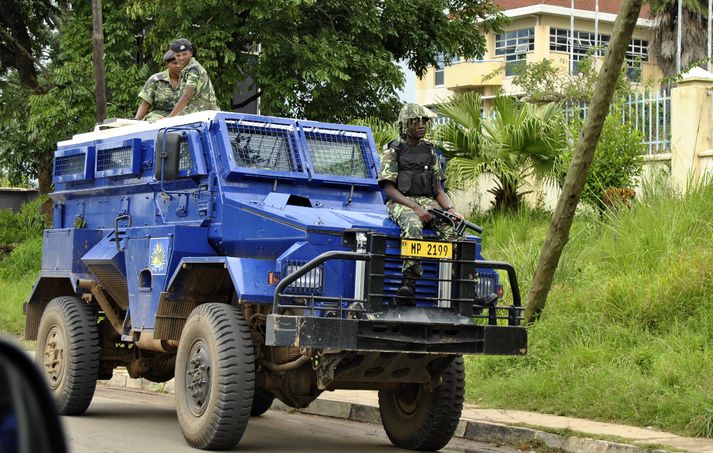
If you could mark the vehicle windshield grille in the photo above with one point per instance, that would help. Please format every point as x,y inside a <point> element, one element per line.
<point>263,148</point>
<point>338,153</point>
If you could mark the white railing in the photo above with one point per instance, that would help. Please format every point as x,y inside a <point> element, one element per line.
<point>649,113</point>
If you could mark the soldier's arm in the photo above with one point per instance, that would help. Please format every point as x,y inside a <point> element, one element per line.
<point>189,91</point>
<point>186,97</point>
<point>395,194</point>
<point>443,200</point>
<point>144,108</point>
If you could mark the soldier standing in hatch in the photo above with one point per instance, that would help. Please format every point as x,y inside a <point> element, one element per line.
<point>161,91</point>
<point>196,89</point>
<point>411,175</point>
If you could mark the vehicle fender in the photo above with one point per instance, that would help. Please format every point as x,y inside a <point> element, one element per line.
<point>46,289</point>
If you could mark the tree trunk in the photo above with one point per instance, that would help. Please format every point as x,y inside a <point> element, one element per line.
<point>558,233</point>
<point>98,54</point>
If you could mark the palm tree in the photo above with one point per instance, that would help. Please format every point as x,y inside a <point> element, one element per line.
<point>513,142</point>
<point>383,131</point>
<point>693,37</point>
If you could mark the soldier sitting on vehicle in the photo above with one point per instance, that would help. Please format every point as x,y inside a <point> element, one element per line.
<point>161,91</point>
<point>196,89</point>
<point>411,176</point>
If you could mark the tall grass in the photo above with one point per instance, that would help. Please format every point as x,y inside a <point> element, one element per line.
<point>627,333</point>
<point>18,272</point>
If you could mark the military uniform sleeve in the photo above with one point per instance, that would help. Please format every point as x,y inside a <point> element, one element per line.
<point>148,92</point>
<point>193,77</point>
<point>389,168</point>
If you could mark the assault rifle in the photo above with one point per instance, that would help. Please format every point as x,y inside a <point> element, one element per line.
<point>459,225</point>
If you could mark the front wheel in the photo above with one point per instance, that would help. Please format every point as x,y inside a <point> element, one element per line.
<point>68,353</point>
<point>215,377</point>
<point>417,419</point>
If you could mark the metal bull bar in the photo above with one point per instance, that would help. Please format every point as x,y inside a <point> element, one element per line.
<point>369,324</point>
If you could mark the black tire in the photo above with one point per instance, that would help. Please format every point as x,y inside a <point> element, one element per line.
<point>416,419</point>
<point>215,377</point>
<point>68,353</point>
<point>262,400</point>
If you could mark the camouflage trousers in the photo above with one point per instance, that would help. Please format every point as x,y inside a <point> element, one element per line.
<point>412,228</point>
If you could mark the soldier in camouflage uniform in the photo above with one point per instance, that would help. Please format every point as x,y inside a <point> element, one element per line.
<point>411,176</point>
<point>161,91</point>
<point>196,89</point>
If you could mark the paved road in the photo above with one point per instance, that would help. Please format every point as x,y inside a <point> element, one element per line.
<point>129,421</point>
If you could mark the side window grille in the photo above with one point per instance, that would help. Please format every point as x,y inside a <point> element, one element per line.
<point>70,165</point>
<point>112,159</point>
<point>185,161</point>
<point>338,153</point>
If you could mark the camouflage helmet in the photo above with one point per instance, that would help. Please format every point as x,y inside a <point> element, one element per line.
<point>411,110</point>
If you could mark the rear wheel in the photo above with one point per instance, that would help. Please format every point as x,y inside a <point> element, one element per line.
<point>215,377</point>
<point>262,400</point>
<point>417,419</point>
<point>68,353</point>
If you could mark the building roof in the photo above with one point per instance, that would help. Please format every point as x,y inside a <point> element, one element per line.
<point>605,6</point>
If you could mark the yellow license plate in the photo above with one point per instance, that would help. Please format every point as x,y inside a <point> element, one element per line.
<point>426,249</point>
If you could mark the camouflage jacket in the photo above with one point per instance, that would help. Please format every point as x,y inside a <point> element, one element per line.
<point>389,167</point>
<point>158,92</point>
<point>194,75</point>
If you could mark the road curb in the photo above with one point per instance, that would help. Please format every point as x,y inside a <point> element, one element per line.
<point>480,431</point>
<point>492,433</point>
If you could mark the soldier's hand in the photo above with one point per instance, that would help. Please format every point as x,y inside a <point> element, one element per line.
<point>456,213</point>
<point>423,214</point>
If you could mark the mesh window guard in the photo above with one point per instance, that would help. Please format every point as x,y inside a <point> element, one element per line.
<point>263,146</point>
<point>70,165</point>
<point>185,161</point>
<point>110,159</point>
<point>337,153</point>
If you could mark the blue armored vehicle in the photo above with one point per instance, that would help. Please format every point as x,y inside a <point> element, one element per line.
<point>252,258</point>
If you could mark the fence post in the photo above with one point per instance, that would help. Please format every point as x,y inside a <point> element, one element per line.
<point>692,128</point>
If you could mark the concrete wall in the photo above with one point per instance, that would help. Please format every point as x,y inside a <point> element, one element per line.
<point>12,198</point>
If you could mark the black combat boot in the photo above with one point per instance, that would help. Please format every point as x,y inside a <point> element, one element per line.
<point>407,290</point>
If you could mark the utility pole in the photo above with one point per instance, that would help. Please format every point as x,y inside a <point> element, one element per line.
<point>571,37</point>
<point>679,21</point>
<point>98,56</point>
<point>558,233</point>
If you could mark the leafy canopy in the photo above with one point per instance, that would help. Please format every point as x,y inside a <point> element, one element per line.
<point>330,60</point>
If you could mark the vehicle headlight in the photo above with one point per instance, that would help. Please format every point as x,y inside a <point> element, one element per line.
<point>312,280</point>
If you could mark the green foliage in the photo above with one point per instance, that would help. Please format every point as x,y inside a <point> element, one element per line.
<point>618,160</point>
<point>28,223</point>
<point>544,82</point>
<point>625,336</point>
<point>25,259</point>
<point>326,60</point>
<point>515,141</point>
<point>383,131</point>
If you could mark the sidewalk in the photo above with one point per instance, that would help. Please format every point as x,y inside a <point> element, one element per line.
<point>517,428</point>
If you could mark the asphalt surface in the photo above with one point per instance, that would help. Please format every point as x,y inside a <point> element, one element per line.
<point>121,420</point>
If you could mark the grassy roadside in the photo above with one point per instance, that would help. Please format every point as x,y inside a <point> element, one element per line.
<point>18,272</point>
<point>627,332</point>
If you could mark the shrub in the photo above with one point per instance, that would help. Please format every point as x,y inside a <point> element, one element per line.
<point>28,223</point>
<point>617,161</point>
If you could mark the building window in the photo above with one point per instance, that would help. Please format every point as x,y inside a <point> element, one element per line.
<point>637,53</point>
<point>439,75</point>
<point>440,68</point>
<point>582,44</point>
<point>583,41</point>
<point>514,45</point>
